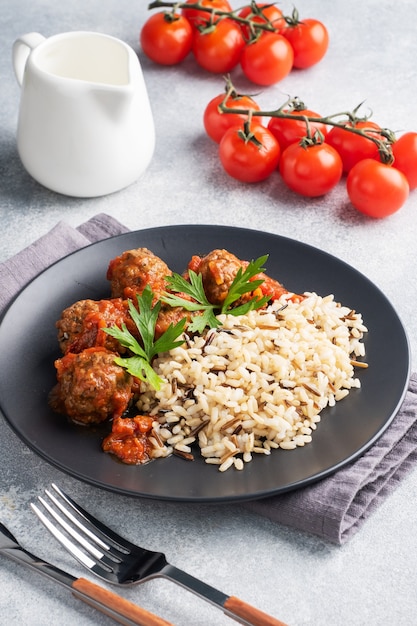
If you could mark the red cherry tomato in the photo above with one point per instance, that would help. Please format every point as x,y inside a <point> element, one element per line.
<point>309,39</point>
<point>289,131</point>
<point>376,189</point>
<point>405,154</point>
<point>267,60</point>
<point>216,122</point>
<point>197,17</point>
<point>166,39</point>
<point>219,50</point>
<point>312,170</point>
<point>269,13</point>
<point>352,147</point>
<point>249,160</point>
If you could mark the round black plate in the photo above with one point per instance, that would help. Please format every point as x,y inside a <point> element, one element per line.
<point>28,347</point>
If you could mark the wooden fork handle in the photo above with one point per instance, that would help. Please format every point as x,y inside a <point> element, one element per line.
<point>250,613</point>
<point>117,605</point>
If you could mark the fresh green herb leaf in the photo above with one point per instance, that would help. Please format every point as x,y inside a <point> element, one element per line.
<point>206,318</point>
<point>242,282</point>
<point>140,368</point>
<point>167,341</point>
<point>251,305</point>
<point>194,288</point>
<point>145,318</point>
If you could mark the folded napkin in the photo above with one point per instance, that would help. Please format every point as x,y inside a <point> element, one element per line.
<point>333,508</point>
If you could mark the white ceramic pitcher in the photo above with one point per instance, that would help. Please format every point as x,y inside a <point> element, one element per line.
<point>85,124</point>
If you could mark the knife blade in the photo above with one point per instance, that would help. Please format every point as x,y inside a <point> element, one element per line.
<point>109,603</point>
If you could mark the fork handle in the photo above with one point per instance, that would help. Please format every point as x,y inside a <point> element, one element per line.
<point>250,613</point>
<point>102,598</point>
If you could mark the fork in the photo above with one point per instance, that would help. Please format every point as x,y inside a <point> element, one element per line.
<point>117,560</point>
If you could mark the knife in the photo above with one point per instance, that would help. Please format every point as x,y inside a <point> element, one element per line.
<point>109,603</point>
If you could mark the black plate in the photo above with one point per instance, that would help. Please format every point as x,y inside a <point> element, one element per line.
<point>28,347</point>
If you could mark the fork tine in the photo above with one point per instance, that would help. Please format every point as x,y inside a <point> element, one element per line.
<point>75,520</point>
<point>71,531</point>
<point>107,533</point>
<point>114,559</point>
<point>67,543</point>
<point>102,564</point>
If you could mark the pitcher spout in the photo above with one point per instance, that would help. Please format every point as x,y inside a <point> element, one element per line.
<point>113,103</point>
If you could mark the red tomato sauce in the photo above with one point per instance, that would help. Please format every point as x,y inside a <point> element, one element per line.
<point>129,439</point>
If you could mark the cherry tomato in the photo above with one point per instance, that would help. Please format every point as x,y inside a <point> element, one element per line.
<point>267,60</point>
<point>351,147</point>
<point>216,122</point>
<point>166,39</point>
<point>249,159</point>
<point>270,13</point>
<point>311,170</point>
<point>219,49</point>
<point>405,154</point>
<point>309,39</point>
<point>289,131</point>
<point>197,17</point>
<point>376,189</point>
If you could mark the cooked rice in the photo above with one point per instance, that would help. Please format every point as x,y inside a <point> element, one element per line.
<point>256,383</point>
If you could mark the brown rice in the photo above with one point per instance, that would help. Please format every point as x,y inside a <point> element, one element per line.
<point>256,383</point>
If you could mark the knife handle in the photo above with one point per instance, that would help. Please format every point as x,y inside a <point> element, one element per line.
<point>250,613</point>
<point>103,598</point>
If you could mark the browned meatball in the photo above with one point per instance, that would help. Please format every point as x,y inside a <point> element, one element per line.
<point>171,315</point>
<point>130,272</point>
<point>91,387</point>
<point>82,325</point>
<point>218,270</point>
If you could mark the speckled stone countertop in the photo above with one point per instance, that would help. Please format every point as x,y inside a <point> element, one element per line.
<point>298,578</point>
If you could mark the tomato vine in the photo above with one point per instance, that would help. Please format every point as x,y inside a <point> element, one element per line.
<point>345,120</point>
<point>254,26</point>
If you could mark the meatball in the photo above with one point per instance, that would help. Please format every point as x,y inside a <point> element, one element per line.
<point>219,269</point>
<point>91,387</point>
<point>130,272</point>
<point>171,315</point>
<point>82,325</point>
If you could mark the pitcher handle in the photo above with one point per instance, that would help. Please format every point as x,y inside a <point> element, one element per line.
<point>22,48</point>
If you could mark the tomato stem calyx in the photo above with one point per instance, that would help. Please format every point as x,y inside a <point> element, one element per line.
<point>294,19</point>
<point>248,135</point>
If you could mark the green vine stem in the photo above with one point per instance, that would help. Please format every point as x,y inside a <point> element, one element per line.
<point>254,26</point>
<point>383,138</point>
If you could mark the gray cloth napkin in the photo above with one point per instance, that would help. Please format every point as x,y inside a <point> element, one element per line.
<point>333,508</point>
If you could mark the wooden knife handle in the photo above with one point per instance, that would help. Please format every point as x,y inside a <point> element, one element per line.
<point>116,603</point>
<point>250,613</point>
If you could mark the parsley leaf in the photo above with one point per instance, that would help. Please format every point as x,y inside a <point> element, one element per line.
<point>242,284</point>
<point>194,288</point>
<point>140,368</point>
<point>145,318</point>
